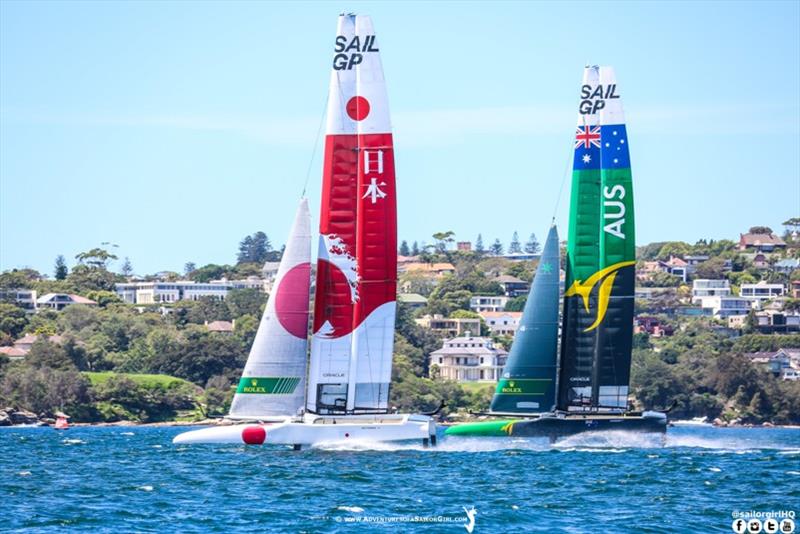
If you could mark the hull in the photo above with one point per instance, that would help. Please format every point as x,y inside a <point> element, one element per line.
<point>312,430</point>
<point>554,427</point>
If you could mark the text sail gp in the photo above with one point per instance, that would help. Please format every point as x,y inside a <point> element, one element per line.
<point>350,53</point>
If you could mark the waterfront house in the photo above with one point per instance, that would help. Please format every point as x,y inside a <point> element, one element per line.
<point>796,289</point>
<point>761,292</point>
<point>468,359</point>
<point>412,300</point>
<point>513,286</point>
<point>652,326</point>
<point>59,301</point>
<point>765,243</point>
<point>433,270</point>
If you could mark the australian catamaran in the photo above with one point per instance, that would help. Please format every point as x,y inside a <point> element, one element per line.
<point>586,389</point>
<point>346,393</point>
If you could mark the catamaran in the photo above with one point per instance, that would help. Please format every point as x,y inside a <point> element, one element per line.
<point>586,389</point>
<point>342,393</point>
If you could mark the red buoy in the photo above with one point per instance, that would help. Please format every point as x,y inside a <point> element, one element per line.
<point>254,435</point>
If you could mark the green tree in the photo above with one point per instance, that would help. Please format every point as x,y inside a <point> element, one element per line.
<point>515,247</point>
<point>246,301</point>
<point>479,245</point>
<point>713,269</point>
<point>44,390</point>
<point>532,245</point>
<point>415,249</point>
<point>760,230</point>
<point>61,271</point>
<point>404,250</point>
<point>497,248</point>
<point>189,268</point>
<point>127,268</point>
<point>13,319</point>
<point>443,239</point>
<point>96,257</point>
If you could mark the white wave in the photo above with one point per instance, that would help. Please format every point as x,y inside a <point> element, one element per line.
<point>24,473</point>
<point>126,433</point>
<point>790,451</point>
<point>715,469</point>
<point>793,472</point>
<point>72,441</point>
<point>157,446</point>
<point>145,488</point>
<point>353,509</point>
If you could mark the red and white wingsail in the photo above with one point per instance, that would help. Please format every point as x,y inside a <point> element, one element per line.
<point>354,311</point>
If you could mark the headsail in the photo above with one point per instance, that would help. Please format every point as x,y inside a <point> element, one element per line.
<point>529,377</point>
<point>354,312</point>
<point>598,297</point>
<point>273,381</point>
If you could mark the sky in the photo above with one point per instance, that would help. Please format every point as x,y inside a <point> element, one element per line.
<point>172,130</point>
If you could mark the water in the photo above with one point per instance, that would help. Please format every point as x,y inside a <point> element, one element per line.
<point>123,479</point>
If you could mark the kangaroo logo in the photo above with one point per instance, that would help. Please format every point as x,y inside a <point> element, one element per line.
<point>584,289</point>
<point>471,513</point>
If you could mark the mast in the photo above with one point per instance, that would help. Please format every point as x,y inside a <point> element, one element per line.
<point>528,383</point>
<point>353,332</point>
<point>598,301</point>
<point>273,380</point>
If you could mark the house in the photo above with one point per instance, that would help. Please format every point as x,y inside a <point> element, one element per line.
<point>765,243</point>
<point>786,265</point>
<point>450,326</point>
<point>482,303</point>
<point>464,246</point>
<point>13,353</point>
<point>221,327</point>
<point>796,289</point>
<point>723,307</point>
<point>761,292</point>
<point>760,261</point>
<point>703,289</point>
<point>412,300</point>
<point>513,286</point>
<point>168,292</point>
<point>59,301</point>
<point>502,323</point>
<point>783,363</point>
<point>777,322</point>
<point>24,298</point>
<point>435,270</point>
<point>651,326</point>
<point>25,343</point>
<point>468,359</point>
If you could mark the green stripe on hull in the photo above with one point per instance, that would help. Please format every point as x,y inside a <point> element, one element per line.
<point>483,428</point>
<point>268,385</point>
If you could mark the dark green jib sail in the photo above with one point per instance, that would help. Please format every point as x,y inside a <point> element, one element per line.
<point>598,299</point>
<point>528,383</point>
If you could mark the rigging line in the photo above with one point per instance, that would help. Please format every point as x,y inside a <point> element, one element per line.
<point>316,143</point>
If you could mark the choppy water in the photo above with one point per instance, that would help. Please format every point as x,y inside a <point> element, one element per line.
<point>125,479</point>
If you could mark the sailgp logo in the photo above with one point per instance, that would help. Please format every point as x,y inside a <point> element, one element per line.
<point>584,289</point>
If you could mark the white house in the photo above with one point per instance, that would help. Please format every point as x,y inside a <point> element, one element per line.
<point>703,289</point>
<point>59,301</point>
<point>167,292</point>
<point>502,323</point>
<point>468,359</point>
<point>723,307</point>
<point>761,292</point>
<point>483,303</point>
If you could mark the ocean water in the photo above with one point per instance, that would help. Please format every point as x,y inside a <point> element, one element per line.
<point>132,479</point>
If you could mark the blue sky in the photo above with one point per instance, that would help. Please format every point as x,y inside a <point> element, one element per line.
<point>175,129</point>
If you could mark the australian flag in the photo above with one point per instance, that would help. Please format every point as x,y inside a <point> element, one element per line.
<point>601,147</point>
<point>614,149</point>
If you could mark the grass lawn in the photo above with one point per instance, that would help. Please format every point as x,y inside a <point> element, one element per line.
<point>473,387</point>
<point>144,380</point>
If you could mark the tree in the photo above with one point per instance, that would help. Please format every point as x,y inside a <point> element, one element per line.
<point>245,302</point>
<point>245,250</point>
<point>497,248</point>
<point>91,278</point>
<point>514,247</point>
<point>97,258</point>
<point>189,268</point>
<point>404,250</point>
<point>61,268</point>
<point>261,246</point>
<point>479,245</point>
<point>442,240</point>
<point>127,268</point>
<point>760,230</point>
<point>712,269</point>
<point>415,249</point>
<point>532,245</point>
<point>12,319</point>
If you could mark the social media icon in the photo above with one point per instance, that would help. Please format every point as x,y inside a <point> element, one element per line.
<point>754,526</point>
<point>739,526</point>
<point>771,525</point>
<point>787,526</point>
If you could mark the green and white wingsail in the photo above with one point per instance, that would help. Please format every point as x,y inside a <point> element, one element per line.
<point>601,253</point>
<point>528,383</point>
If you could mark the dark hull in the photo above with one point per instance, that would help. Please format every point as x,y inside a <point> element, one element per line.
<point>556,427</point>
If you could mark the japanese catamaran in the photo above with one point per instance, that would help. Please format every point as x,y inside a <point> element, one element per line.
<point>346,394</point>
<point>586,388</point>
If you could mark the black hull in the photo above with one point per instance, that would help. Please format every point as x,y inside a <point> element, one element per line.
<point>556,427</point>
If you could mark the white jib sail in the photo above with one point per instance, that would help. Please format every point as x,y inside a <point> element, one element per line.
<point>274,379</point>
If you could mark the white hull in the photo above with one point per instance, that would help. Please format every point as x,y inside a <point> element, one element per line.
<point>313,429</point>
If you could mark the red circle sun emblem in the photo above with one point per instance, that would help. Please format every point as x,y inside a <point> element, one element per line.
<point>357,108</point>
